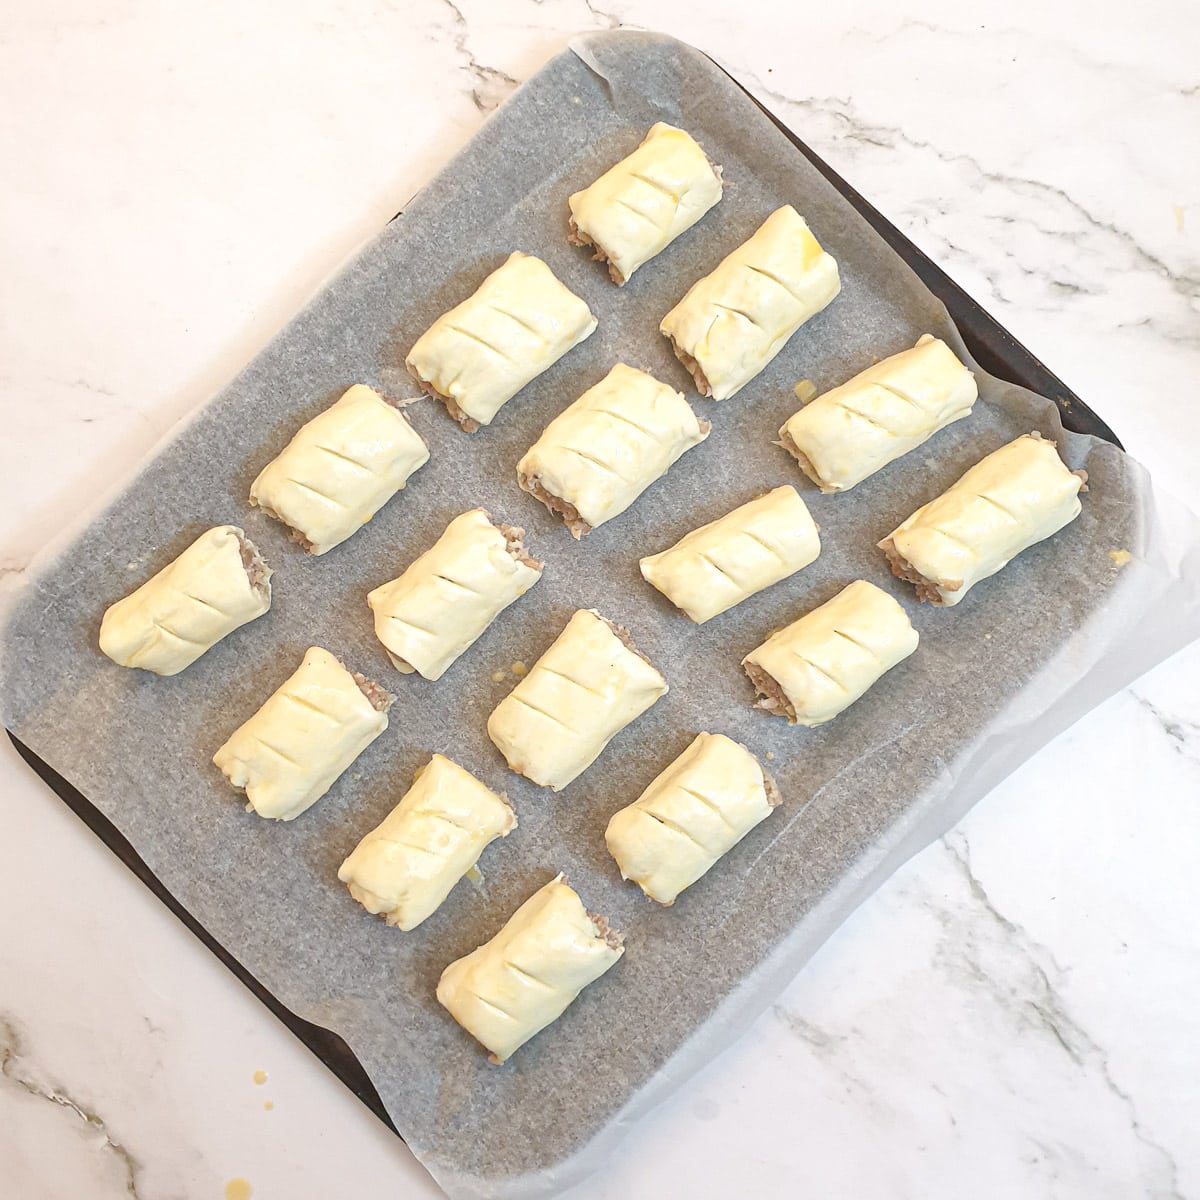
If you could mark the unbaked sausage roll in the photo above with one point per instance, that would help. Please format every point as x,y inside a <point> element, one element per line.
<point>726,561</point>
<point>340,469</point>
<point>288,755</point>
<point>405,868</point>
<point>733,322</point>
<point>445,600</point>
<point>512,987</point>
<point>481,353</point>
<point>604,450</point>
<point>887,410</point>
<point>819,665</point>
<point>578,696</point>
<point>698,809</point>
<point>1017,496</point>
<point>218,583</point>
<point>636,209</point>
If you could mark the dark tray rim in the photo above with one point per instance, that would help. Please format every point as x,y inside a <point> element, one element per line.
<point>991,345</point>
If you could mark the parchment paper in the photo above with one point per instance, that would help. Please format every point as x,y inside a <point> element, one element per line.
<point>994,678</point>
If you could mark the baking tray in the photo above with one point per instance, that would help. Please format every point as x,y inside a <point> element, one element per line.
<point>991,345</point>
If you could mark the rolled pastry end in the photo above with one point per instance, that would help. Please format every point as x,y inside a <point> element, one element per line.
<point>378,697</point>
<point>465,423</point>
<point>693,368</point>
<point>771,696</point>
<point>217,584</point>
<point>257,571</point>
<point>577,237</point>
<point>928,590</point>
<point>786,441</point>
<point>532,483</point>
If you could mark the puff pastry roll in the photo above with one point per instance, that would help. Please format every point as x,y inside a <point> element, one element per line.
<point>481,353</point>
<point>724,562</point>
<point>887,410</point>
<point>340,469</point>
<point>405,868</point>
<point>218,583</point>
<point>512,987</point>
<point>819,665</point>
<point>636,209</point>
<point>698,809</point>
<point>602,452</point>
<point>442,604</point>
<point>1017,496</point>
<point>577,697</point>
<point>733,322</point>
<point>288,755</point>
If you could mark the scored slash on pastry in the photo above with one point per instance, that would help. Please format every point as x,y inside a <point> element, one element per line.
<point>215,586</point>
<point>638,207</point>
<point>340,469</point>
<point>733,322</point>
<point>290,752</point>
<point>442,604</point>
<point>480,354</point>
<point>527,976</point>
<point>1017,496</point>
<point>406,867</point>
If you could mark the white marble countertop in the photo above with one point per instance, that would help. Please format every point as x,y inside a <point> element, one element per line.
<point>1017,1013</point>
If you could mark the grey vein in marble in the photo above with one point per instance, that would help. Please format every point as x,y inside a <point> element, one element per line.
<point>13,1067</point>
<point>852,127</point>
<point>1184,734</point>
<point>491,84</point>
<point>1048,1012</point>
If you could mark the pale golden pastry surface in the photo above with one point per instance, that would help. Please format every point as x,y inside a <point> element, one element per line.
<point>216,585</point>
<point>694,812</point>
<point>733,322</point>
<point>1017,496</point>
<point>290,752</point>
<point>819,665</point>
<point>340,469</point>
<point>722,563</point>
<point>515,985</point>
<point>575,699</point>
<point>405,867</point>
